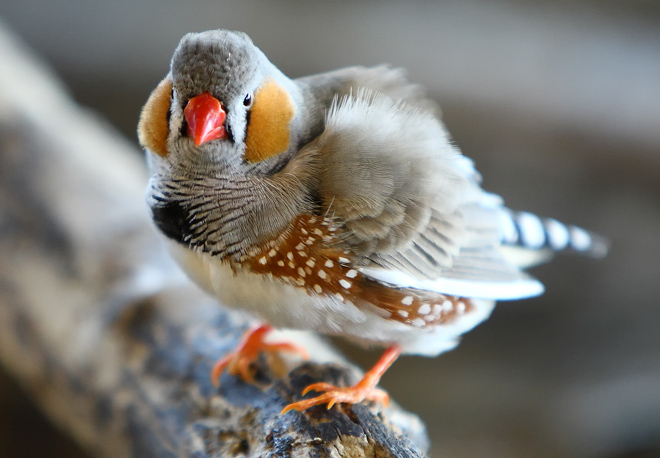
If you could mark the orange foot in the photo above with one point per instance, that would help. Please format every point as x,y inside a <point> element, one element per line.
<point>364,389</point>
<point>238,362</point>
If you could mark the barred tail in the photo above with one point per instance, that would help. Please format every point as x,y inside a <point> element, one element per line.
<point>527,230</point>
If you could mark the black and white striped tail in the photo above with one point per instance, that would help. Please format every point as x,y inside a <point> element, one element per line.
<point>527,230</point>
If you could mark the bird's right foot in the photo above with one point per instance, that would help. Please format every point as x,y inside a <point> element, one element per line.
<point>239,362</point>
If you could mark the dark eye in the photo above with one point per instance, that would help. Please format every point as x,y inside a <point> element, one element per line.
<point>247,101</point>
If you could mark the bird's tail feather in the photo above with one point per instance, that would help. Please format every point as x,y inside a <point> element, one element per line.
<point>526,230</point>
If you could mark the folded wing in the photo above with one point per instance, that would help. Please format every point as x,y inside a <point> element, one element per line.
<point>410,205</point>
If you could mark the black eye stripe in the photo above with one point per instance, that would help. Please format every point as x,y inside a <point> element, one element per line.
<point>169,110</point>
<point>230,133</point>
<point>247,123</point>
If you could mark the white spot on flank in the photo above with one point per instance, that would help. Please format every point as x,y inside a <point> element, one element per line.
<point>280,263</point>
<point>310,241</point>
<point>447,305</point>
<point>318,289</point>
<point>460,307</point>
<point>301,272</point>
<point>437,309</point>
<point>302,254</point>
<point>403,313</point>
<point>345,284</point>
<point>318,232</point>
<point>304,231</point>
<point>339,296</point>
<point>272,253</point>
<point>308,270</point>
<point>351,273</point>
<point>429,317</point>
<point>290,256</point>
<point>407,300</point>
<point>300,246</point>
<point>329,264</point>
<point>344,260</point>
<point>310,262</point>
<point>263,260</point>
<point>425,309</point>
<point>418,322</point>
<point>322,274</point>
<point>292,265</point>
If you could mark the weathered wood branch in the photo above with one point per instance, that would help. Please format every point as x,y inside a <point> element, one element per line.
<point>105,333</point>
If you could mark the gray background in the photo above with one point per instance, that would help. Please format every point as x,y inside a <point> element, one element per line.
<point>559,105</point>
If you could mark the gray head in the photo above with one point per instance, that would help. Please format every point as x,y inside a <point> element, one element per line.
<point>223,118</point>
<point>229,108</point>
<point>225,64</point>
<point>219,61</point>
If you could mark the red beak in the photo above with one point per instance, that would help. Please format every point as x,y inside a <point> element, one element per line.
<point>206,118</point>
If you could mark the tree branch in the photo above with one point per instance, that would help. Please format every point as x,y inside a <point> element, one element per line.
<point>103,330</point>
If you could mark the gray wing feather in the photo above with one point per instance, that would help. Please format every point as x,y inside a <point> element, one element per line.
<point>383,79</point>
<point>410,203</point>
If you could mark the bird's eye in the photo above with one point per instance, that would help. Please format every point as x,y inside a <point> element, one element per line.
<point>247,101</point>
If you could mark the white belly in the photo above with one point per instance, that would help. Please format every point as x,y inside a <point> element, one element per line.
<point>288,306</point>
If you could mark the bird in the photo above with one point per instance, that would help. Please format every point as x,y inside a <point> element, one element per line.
<point>334,203</point>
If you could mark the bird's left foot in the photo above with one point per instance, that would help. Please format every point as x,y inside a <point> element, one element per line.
<point>253,343</point>
<point>365,389</point>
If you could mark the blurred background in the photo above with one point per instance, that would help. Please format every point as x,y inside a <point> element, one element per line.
<point>557,102</point>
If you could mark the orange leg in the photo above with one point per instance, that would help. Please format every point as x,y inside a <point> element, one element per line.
<point>238,362</point>
<point>364,389</point>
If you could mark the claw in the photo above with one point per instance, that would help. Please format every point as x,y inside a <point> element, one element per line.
<point>364,389</point>
<point>239,361</point>
<point>318,387</point>
<point>334,395</point>
<point>220,366</point>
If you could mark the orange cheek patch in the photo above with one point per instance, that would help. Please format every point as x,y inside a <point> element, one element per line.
<point>153,127</point>
<point>268,130</point>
